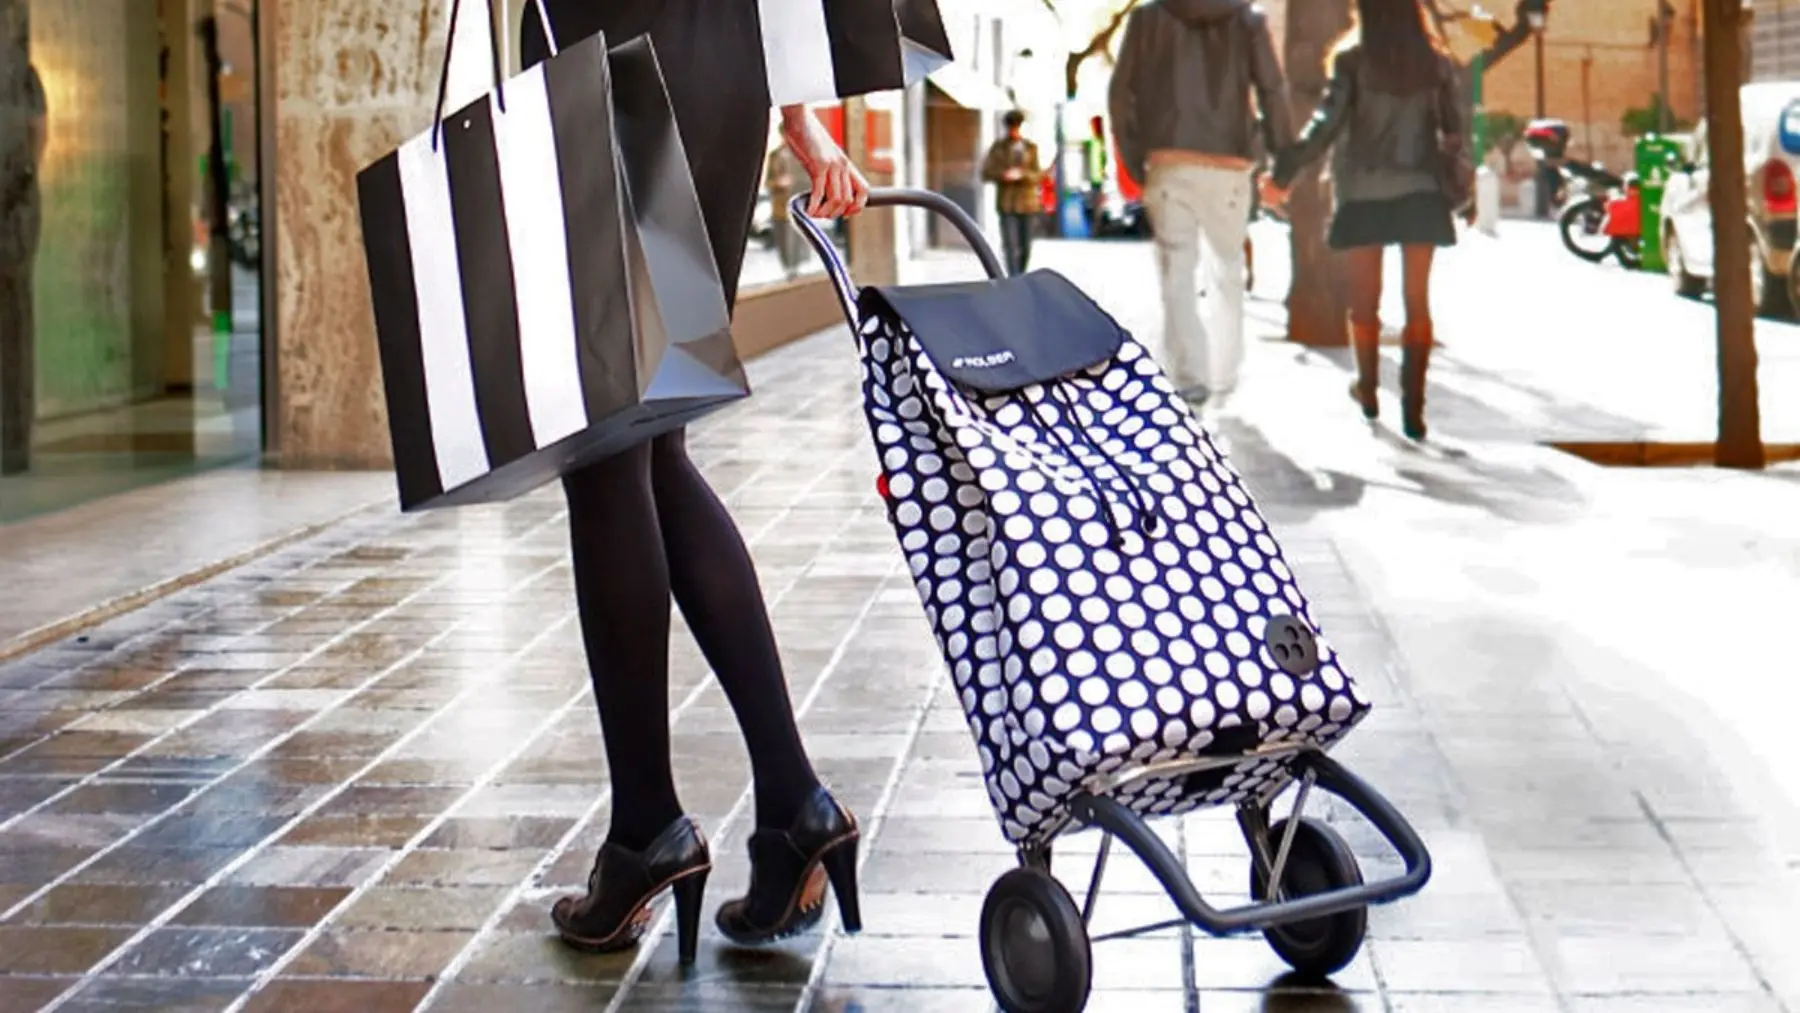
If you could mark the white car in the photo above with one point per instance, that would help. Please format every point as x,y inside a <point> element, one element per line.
<point>1771,161</point>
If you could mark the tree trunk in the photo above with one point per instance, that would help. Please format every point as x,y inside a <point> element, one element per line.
<point>1317,312</point>
<point>1740,419</point>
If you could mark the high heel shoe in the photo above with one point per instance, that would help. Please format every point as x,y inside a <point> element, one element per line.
<point>616,910</point>
<point>788,873</point>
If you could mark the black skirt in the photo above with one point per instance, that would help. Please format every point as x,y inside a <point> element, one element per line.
<point>1417,219</point>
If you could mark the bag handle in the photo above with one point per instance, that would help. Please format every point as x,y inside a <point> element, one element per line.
<point>437,118</point>
<point>888,197</point>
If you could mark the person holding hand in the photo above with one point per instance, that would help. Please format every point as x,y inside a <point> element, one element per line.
<point>1395,125</point>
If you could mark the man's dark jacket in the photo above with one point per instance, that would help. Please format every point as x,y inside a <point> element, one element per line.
<point>1186,73</point>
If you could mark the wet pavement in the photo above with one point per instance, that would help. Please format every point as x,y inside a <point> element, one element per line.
<point>354,773</point>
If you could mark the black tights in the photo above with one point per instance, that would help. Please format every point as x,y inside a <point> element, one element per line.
<point>644,525</point>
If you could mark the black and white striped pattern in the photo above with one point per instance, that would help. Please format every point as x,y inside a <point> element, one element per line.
<point>516,302</point>
<point>820,50</point>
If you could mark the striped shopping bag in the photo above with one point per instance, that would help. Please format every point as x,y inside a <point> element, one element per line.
<point>821,50</point>
<point>544,288</point>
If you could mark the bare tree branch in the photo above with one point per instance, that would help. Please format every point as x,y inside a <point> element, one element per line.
<point>1508,39</point>
<point>1438,18</point>
<point>1099,45</point>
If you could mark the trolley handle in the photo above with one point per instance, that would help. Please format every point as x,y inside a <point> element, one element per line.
<point>885,197</point>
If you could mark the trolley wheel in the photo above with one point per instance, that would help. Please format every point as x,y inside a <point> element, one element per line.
<point>1318,861</point>
<point>1034,945</point>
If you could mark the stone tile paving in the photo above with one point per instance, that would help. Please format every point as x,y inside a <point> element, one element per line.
<point>353,774</point>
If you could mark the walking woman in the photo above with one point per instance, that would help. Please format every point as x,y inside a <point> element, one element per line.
<point>645,526</point>
<point>1393,118</point>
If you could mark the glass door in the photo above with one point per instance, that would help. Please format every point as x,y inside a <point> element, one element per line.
<point>131,287</point>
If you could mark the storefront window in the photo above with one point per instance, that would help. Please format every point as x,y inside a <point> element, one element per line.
<point>130,246</point>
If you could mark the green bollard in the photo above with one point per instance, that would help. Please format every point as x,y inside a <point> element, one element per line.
<point>1657,157</point>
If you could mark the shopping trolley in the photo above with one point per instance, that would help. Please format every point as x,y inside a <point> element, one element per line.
<point>1309,898</point>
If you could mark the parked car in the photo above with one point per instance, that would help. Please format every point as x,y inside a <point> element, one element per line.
<point>1771,161</point>
<point>1118,218</point>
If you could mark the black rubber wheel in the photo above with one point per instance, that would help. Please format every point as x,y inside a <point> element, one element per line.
<point>1034,945</point>
<point>1627,254</point>
<point>1318,861</point>
<point>1580,225</point>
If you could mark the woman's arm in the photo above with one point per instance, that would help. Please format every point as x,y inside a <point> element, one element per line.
<point>1453,115</point>
<point>1457,153</point>
<point>1322,131</point>
<point>838,188</point>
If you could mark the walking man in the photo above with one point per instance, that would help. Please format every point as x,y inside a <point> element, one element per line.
<point>1181,104</point>
<point>1012,164</point>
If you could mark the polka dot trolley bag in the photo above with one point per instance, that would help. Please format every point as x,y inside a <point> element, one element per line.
<point>1119,622</point>
<point>1104,590</point>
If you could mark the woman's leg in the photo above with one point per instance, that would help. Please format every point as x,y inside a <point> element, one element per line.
<point>1416,345</point>
<point>1365,326</point>
<point>1415,279</point>
<point>622,592</point>
<point>714,582</point>
<point>1363,264</point>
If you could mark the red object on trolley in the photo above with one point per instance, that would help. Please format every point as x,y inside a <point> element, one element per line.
<point>1625,215</point>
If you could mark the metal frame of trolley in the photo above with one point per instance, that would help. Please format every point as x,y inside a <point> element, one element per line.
<point>1309,899</point>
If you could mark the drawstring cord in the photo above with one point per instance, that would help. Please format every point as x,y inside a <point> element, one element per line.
<point>1150,518</point>
<point>1147,518</point>
<point>1062,443</point>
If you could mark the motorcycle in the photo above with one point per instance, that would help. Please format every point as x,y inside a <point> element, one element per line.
<point>1112,216</point>
<point>1604,215</point>
<point>1602,212</point>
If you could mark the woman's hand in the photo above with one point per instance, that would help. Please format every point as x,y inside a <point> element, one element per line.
<point>1272,195</point>
<point>838,189</point>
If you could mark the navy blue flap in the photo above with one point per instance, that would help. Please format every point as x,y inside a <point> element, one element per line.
<point>998,336</point>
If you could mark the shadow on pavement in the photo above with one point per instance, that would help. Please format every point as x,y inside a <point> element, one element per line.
<point>1292,993</point>
<point>1528,494</point>
<point>1282,486</point>
<point>1296,494</point>
<point>1470,417</point>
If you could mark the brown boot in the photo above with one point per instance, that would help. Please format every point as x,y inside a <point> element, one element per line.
<point>1416,344</point>
<point>1366,338</point>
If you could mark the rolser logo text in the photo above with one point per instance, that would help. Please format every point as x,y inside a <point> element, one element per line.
<point>988,361</point>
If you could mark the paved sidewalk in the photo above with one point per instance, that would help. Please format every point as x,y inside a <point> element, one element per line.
<point>100,555</point>
<point>353,774</point>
